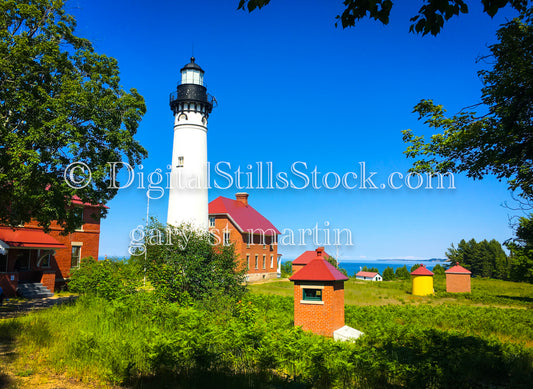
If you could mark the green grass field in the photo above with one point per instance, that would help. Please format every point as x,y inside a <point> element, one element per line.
<point>484,292</point>
<point>483,339</point>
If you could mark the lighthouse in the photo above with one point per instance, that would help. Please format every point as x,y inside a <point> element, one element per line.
<point>191,106</point>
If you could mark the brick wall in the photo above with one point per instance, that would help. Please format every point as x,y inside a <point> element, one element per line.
<point>242,249</point>
<point>48,279</point>
<point>88,236</point>
<point>322,319</point>
<point>458,283</point>
<point>9,286</point>
<point>295,268</point>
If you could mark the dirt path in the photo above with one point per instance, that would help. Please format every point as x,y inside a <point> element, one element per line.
<point>16,307</point>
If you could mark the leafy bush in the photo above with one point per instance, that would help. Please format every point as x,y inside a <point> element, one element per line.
<point>184,265</point>
<point>109,279</point>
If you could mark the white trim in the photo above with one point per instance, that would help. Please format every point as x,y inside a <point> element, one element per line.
<point>76,243</point>
<point>4,248</point>
<point>316,302</point>
<point>312,286</point>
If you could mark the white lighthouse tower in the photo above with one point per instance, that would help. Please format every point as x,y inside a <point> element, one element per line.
<point>191,106</point>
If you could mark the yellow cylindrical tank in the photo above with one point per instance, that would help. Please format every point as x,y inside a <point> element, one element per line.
<point>422,280</point>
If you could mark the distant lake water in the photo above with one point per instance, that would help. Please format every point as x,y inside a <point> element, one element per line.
<point>353,267</point>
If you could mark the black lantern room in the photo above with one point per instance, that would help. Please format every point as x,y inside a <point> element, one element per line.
<point>191,94</point>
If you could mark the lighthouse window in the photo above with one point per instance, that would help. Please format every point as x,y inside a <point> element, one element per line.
<point>312,294</point>
<point>180,161</point>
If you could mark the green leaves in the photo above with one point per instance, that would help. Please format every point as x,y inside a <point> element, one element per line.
<point>499,142</point>
<point>430,19</point>
<point>184,265</point>
<point>60,103</point>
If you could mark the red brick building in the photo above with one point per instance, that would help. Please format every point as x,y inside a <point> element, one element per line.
<point>307,257</point>
<point>458,279</point>
<point>254,237</point>
<point>319,297</point>
<point>28,254</point>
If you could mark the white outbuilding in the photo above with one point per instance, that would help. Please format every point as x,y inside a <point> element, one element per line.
<point>368,276</point>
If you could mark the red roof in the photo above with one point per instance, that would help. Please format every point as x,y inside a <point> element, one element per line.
<point>245,217</point>
<point>28,237</point>
<point>318,270</point>
<point>308,256</point>
<point>77,200</point>
<point>422,271</point>
<point>458,270</point>
<point>370,274</point>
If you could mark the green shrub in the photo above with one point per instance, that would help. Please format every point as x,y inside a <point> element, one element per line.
<point>185,265</point>
<point>109,279</point>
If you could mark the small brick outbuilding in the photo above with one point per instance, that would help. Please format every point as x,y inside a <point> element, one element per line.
<point>319,297</point>
<point>458,279</point>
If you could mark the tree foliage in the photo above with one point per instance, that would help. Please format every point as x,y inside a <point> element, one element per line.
<point>388,274</point>
<point>430,18</point>
<point>499,142</point>
<point>483,259</point>
<point>438,270</point>
<point>370,269</point>
<point>286,269</point>
<point>522,251</point>
<point>183,264</point>
<point>60,102</point>
<point>402,273</point>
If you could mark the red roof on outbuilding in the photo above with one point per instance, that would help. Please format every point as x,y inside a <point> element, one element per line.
<point>366,274</point>
<point>28,238</point>
<point>318,270</point>
<point>307,257</point>
<point>421,271</point>
<point>245,217</point>
<point>458,270</point>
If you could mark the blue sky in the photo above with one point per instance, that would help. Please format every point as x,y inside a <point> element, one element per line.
<point>293,88</point>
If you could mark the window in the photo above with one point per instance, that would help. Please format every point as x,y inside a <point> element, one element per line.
<point>271,261</point>
<point>3,263</point>
<point>75,256</point>
<point>226,239</point>
<point>247,261</point>
<point>23,260</point>
<point>248,241</point>
<point>44,258</point>
<point>78,211</point>
<point>312,294</point>
<point>256,261</point>
<point>180,161</point>
<point>211,221</point>
<point>264,261</point>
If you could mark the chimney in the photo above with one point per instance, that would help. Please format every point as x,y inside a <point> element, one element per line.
<point>319,251</point>
<point>242,197</point>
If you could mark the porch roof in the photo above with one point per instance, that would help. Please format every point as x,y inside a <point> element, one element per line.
<point>27,238</point>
